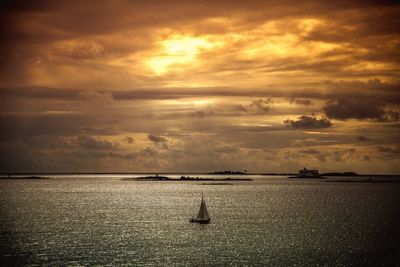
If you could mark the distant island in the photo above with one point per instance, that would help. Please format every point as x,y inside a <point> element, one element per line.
<point>183,178</point>
<point>229,172</point>
<point>307,173</point>
<point>9,177</point>
<point>340,174</point>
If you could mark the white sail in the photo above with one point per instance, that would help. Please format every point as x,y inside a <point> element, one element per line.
<point>203,213</point>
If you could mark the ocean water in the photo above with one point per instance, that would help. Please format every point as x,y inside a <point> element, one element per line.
<point>85,220</point>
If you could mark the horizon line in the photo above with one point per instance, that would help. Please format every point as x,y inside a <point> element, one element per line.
<point>204,173</point>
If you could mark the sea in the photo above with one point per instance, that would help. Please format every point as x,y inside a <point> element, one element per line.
<point>107,220</point>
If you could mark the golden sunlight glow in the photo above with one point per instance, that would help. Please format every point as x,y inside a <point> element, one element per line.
<point>178,50</point>
<point>188,102</point>
<point>202,102</point>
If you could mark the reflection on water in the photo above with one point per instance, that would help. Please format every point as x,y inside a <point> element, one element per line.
<point>269,221</point>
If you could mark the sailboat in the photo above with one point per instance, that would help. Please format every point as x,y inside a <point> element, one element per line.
<point>202,216</point>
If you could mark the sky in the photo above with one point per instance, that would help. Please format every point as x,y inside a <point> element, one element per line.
<point>199,86</point>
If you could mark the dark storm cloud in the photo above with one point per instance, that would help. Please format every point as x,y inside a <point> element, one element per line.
<point>354,108</point>
<point>308,122</point>
<point>361,108</point>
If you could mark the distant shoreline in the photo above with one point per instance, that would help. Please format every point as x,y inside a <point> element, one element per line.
<point>368,181</point>
<point>23,178</point>
<point>306,177</point>
<point>183,179</point>
<point>186,173</point>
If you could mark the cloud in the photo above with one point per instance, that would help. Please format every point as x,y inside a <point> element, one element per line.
<point>308,122</point>
<point>370,86</point>
<point>96,130</point>
<point>300,101</point>
<point>309,151</point>
<point>255,107</point>
<point>39,92</point>
<point>263,105</point>
<point>391,115</point>
<point>359,108</point>
<point>362,138</point>
<point>344,109</point>
<point>88,142</point>
<point>325,154</point>
<point>384,91</point>
<point>156,138</point>
<point>75,77</point>
<point>50,44</point>
<point>240,108</point>
<point>389,149</point>
<point>366,157</point>
<point>129,156</point>
<point>52,124</point>
<point>129,139</point>
<point>207,112</point>
<point>314,153</point>
<point>82,50</point>
<point>96,96</point>
<point>147,153</point>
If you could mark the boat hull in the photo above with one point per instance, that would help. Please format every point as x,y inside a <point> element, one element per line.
<point>200,221</point>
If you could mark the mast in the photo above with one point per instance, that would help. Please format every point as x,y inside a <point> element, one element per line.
<point>201,210</point>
